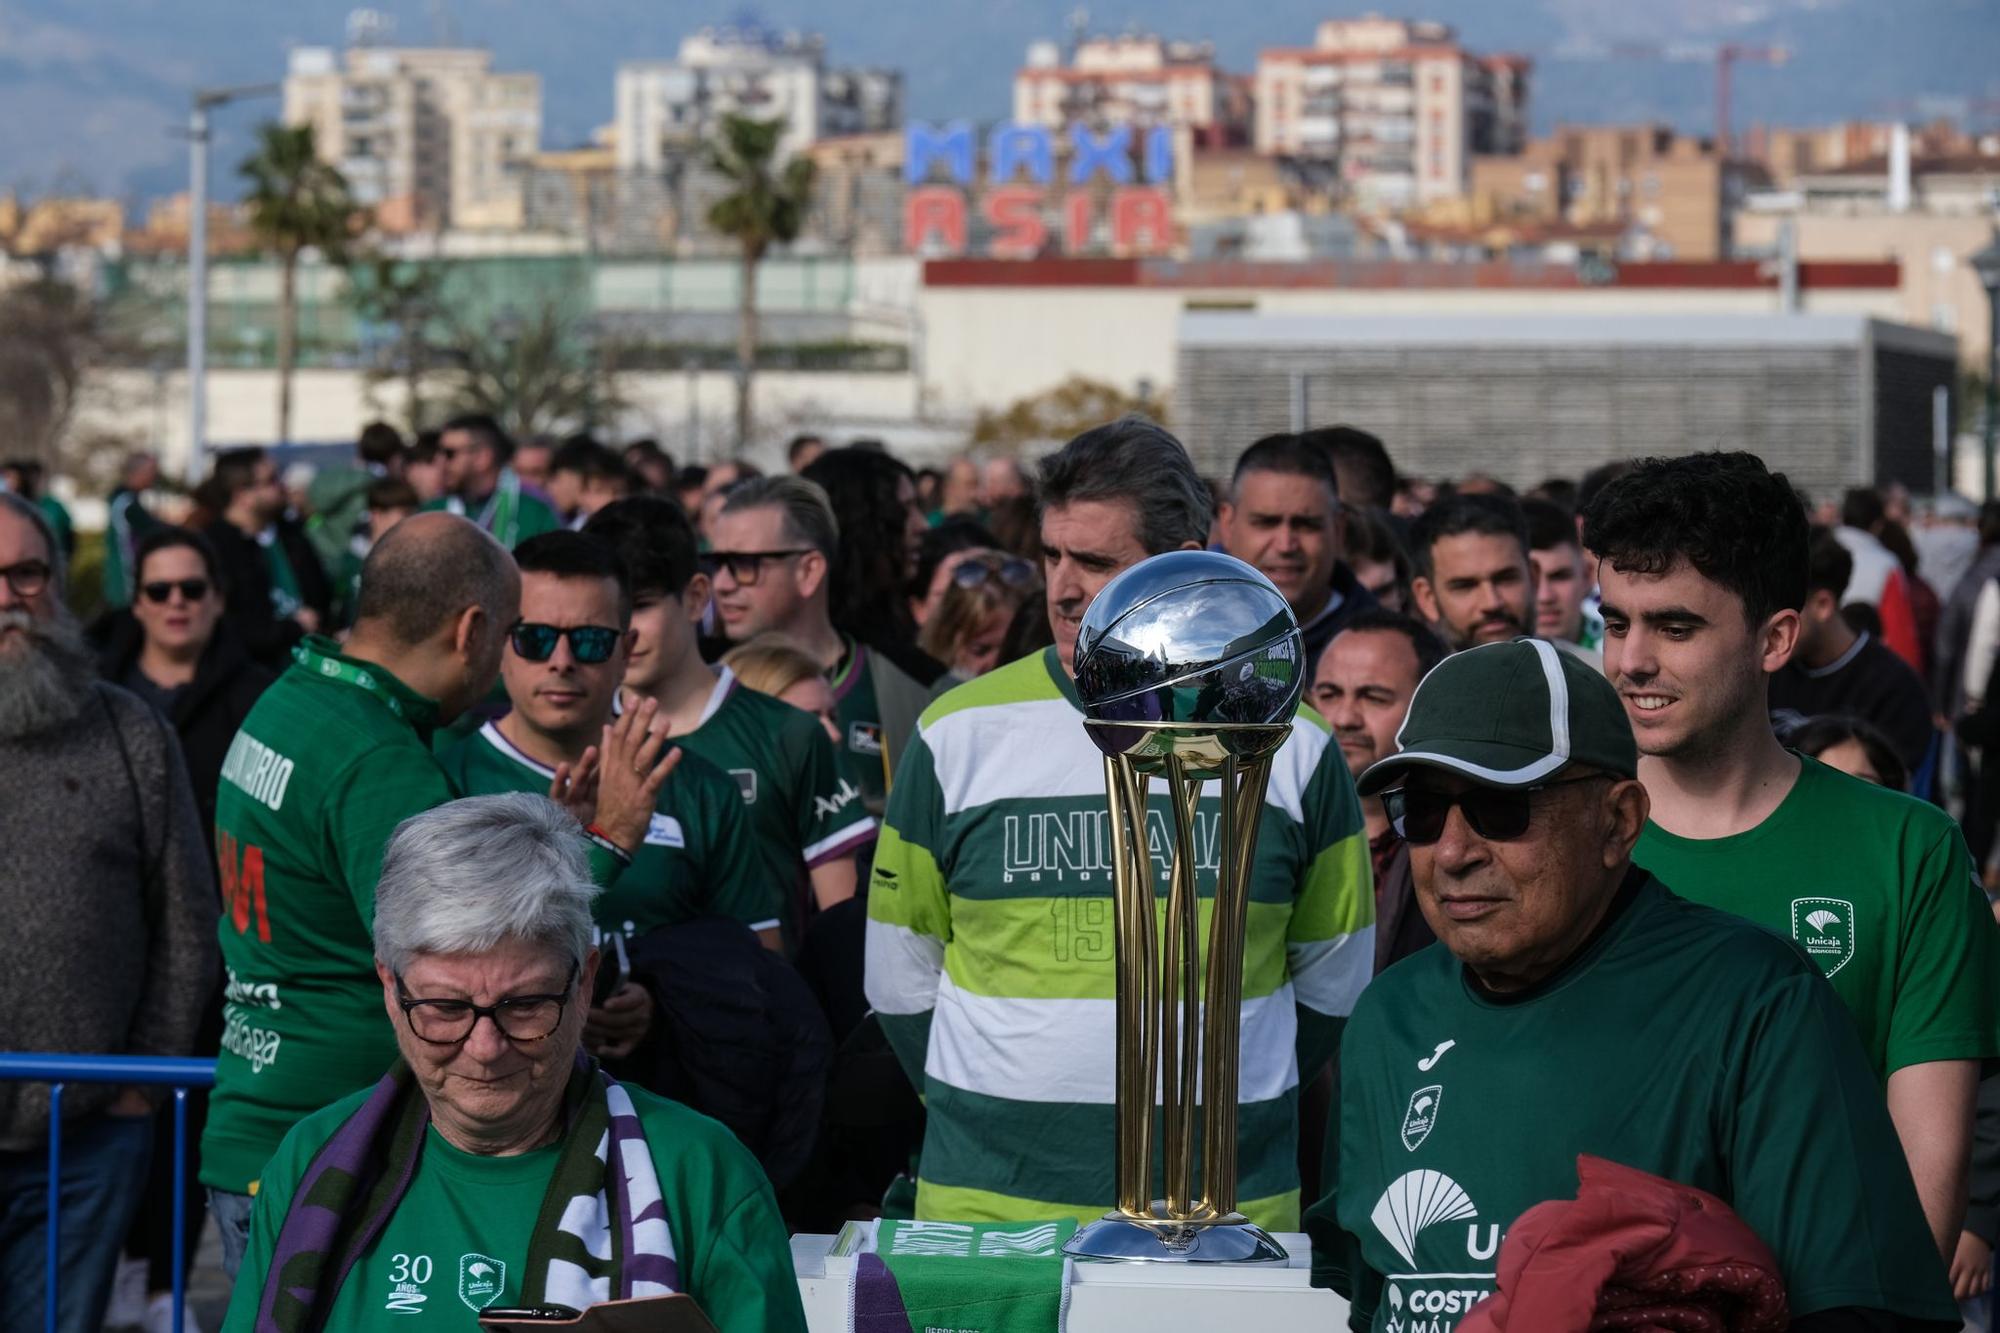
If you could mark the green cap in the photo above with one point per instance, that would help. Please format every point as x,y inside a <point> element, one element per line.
<point>1510,715</point>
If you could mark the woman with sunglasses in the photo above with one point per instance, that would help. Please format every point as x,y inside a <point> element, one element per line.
<point>173,649</point>
<point>983,589</point>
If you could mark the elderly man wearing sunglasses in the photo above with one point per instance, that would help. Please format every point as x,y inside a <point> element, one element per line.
<point>1578,1006</point>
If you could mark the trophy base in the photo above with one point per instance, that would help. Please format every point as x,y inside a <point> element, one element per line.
<point>1116,1238</point>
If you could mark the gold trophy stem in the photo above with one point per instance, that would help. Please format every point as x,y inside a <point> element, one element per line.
<point>1138,986</point>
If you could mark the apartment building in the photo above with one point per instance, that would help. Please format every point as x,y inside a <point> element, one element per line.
<point>665,109</point>
<point>1137,80</point>
<point>1398,106</point>
<point>429,137</point>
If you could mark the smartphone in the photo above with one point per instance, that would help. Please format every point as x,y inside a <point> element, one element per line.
<point>527,1314</point>
<point>614,968</point>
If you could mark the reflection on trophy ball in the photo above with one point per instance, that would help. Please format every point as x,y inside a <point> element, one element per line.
<point>1187,637</point>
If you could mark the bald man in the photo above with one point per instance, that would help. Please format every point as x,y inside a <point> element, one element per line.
<point>331,759</point>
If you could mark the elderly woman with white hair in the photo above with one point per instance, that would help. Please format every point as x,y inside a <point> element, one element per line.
<point>495,1165</point>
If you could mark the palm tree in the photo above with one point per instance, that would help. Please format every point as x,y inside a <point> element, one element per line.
<point>766,208</point>
<point>296,202</point>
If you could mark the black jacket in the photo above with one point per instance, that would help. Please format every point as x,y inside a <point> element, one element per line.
<point>207,713</point>
<point>266,637</point>
<point>1354,599</point>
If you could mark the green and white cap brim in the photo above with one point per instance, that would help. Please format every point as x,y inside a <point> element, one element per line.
<point>1509,715</point>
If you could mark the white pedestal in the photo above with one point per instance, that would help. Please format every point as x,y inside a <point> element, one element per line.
<point>1114,1297</point>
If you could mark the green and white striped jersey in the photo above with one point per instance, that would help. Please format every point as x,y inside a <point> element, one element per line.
<point>990,948</point>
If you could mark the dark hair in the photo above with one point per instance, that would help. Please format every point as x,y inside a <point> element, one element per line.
<point>1139,462</point>
<point>1424,641</point>
<point>425,449</point>
<point>1362,459</point>
<point>1597,479</point>
<point>390,493</point>
<point>167,539</point>
<point>1013,522</point>
<point>1455,515</point>
<point>1291,455</point>
<point>1370,536</point>
<point>871,561</point>
<point>1989,522</point>
<point>484,429</point>
<point>576,555</point>
<point>956,533</point>
<point>690,478</point>
<point>1558,491</point>
<point>1896,538</point>
<point>652,535</point>
<point>1816,735</point>
<point>1862,507</point>
<point>1829,567</point>
<point>799,445</point>
<point>1730,517</point>
<point>380,443</point>
<point>588,459</point>
<point>235,472</point>
<point>1549,525</point>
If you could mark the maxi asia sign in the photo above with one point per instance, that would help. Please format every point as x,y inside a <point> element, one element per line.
<point>1140,215</point>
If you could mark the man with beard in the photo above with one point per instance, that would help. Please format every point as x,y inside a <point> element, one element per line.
<point>1703,563</point>
<point>110,911</point>
<point>1474,582</point>
<point>1283,516</point>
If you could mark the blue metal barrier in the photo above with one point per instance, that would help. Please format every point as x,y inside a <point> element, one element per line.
<point>131,1070</point>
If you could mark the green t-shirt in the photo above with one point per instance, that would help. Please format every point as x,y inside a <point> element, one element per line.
<point>126,522</point>
<point>334,756</point>
<point>804,810</point>
<point>1878,888</point>
<point>859,718</point>
<point>990,948</point>
<point>697,859</point>
<point>458,1241</point>
<point>1682,1042</point>
<point>512,513</point>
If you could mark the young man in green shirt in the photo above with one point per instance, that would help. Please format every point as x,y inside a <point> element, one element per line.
<point>480,486</point>
<point>805,813</point>
<point>562,665</point>
<point>773,549</point>
<point>1578,1006</point>
<point>334,756</point>
<point>126,522</point>
<point>1703,565</point>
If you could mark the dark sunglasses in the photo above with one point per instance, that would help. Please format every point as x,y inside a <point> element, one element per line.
<point>746,567</point>
<point>590,645</point>
<point>191,589</point>
<point>1499,813</point>
<point>1013,571</point>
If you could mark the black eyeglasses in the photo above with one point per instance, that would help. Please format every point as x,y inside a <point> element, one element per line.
<point>1500,813</point>
<point>519,1017</point>
<point>590,645</point>
<point>1013,571</point>
<point>28,578</point>
<point>746,567</point>
<point>191,589</point>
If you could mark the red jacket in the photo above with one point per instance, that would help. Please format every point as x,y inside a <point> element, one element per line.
<point>1632,1251</point>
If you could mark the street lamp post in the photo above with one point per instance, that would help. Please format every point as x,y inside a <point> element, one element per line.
<point>1987,265</point>
<point>205,100</point>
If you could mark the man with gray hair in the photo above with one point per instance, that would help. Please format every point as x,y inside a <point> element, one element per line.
<point>772,555</point>
<point>994,843</point>
<point>109,908</point>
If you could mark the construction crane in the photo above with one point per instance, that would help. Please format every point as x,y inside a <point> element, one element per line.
<point>1725,58</point>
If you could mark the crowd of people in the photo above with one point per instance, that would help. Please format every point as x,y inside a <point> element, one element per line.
<point>476,803</point>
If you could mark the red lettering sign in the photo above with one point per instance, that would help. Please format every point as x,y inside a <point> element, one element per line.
<point>243,886</point>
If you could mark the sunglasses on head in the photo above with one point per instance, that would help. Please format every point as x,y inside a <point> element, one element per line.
<point>1500,814</point>
<point>1012,571</point>
<point>192,590</point>
<point>590,645</point>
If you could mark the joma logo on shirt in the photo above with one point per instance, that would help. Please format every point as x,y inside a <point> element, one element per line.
<point>256,770</point>
<point>1078,841</point>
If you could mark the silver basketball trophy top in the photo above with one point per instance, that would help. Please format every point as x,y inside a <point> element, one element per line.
<point>1198,641</point>
<point>1189,668</point>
